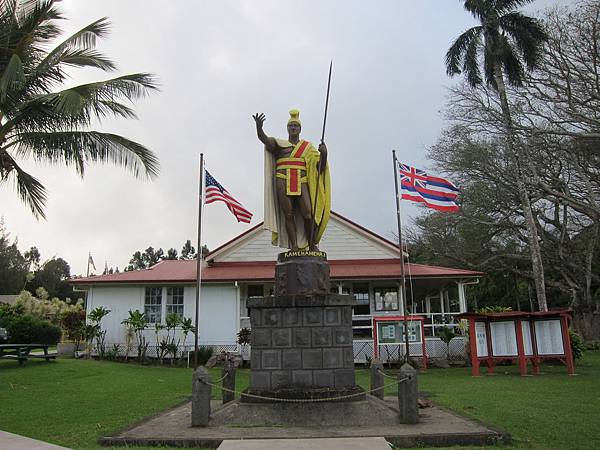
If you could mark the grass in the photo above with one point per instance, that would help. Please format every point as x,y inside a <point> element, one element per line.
<point>73,402</point>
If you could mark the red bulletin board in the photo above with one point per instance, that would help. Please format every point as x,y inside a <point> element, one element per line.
<point>416,327</point>
<point>521,336</point>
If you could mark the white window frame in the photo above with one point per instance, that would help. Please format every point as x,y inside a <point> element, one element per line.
<point>153,293</point>
<point>171,295</point>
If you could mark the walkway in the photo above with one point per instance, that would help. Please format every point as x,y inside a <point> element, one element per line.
<point>373,443</point>
<point>9,441</point>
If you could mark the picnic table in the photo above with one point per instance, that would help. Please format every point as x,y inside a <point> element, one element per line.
<point>22,352</point>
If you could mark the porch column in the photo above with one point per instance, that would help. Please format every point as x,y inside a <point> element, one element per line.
<point>462,298</point>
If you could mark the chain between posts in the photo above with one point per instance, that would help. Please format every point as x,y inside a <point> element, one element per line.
<point>314,400</point>
<point>388,376</point>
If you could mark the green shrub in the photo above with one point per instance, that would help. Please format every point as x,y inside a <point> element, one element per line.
<point>30,330</point>
<point>204,354</point>
<point>577,344</point>
<point>8,311</point>
<point>494,309</point>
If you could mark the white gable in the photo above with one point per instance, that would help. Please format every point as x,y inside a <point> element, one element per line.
<point>342,240</point>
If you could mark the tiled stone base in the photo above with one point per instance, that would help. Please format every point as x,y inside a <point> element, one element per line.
<point>302,343</point>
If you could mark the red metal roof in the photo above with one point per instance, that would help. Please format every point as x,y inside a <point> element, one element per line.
<point>185,272</point>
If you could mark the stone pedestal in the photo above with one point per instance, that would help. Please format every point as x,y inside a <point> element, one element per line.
<point>301,273</point>
<point>302,342</point>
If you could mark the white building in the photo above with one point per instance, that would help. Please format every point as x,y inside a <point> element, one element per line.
<point>362,263</point>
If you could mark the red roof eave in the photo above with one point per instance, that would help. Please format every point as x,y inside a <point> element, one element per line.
<point>185,272</point>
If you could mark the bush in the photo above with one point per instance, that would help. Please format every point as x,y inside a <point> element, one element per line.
<point>577,344</point>
<point>30,330</point>
<point>204,354</point>
<point>73,323</point>
<point>8,312</point>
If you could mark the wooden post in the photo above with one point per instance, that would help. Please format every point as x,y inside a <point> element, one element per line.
<point>377,379</point>
<point>201,397</point>
<point>535,361</point>
<point>408,395</point>
<point>521,348</point>
<point>567,344</point>
<point>228,373</point>
<point>490,356</point>
<point>473,343</point>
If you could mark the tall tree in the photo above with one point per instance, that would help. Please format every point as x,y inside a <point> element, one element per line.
<point>48,125</point>
<point>53,276</point>
<point>33,258</point>
<point>145,260</point>
<point>508,42</point>
<point>13,266</point>
<point>188,251</point>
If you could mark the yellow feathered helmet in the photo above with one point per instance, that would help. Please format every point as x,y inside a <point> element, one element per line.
<point>294,117</point>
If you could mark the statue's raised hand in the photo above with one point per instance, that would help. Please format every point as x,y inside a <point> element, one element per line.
<point>259,119</point>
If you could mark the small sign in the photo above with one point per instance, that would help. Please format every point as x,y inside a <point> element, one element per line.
<point>504,338</point>
<point>393,332</point>
<point>388,332</point>
<point>481,336</point>
<point>527,342</point>
<point>548,334</point>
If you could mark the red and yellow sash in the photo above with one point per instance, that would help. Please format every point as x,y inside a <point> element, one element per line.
<point>293,165</point>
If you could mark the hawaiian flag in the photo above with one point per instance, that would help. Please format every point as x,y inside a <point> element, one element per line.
<point>434,192</point>
<point>217,193</point>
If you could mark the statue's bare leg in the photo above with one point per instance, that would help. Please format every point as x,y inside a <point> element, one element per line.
<point>285,203</point>
<point>306,211</point>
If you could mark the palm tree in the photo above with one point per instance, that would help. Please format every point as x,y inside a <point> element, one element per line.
<point>508,43</point>
<point>40,122</point>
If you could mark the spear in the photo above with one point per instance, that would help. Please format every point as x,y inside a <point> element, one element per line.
<point>312,230</point>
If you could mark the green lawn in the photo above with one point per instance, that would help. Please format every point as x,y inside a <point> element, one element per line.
<point>73,402</point>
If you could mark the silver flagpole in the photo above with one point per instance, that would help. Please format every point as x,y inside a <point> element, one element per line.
<point>402,274</point>
<point>199,260</point>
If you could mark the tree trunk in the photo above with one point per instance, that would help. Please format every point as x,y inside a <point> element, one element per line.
<point>514,153</point>
<point>587,323</point>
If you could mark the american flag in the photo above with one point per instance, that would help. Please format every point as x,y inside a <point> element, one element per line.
<point>215,192</point>
<point>434,192</point>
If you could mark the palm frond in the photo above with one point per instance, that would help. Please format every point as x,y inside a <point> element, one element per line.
<point>82,41</point>
<point>456,52</point>
<point>489,64</point>
<point>513,68</point>
<point>12,76</point>
<point>78,148</point>
<point>29,189</point>
<point>75,107</point>
<point>528,34</point>
<point>36,20</point>
<point>504,6</point>
<point>477,8</point>
<point>471,62</point>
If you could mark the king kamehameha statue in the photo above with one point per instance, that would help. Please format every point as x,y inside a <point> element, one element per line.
<point>297,187</point>
<point>302,334</point>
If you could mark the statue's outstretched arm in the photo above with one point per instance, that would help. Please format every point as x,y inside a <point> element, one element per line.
<point>269,142</point>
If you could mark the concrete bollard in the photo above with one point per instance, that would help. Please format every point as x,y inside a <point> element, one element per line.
<point>408,395</point>
<point>228,382</point>
<point>377,379</point>
<point>201,397</point>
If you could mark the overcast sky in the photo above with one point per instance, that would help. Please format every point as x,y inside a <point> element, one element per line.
<point>218,63</point>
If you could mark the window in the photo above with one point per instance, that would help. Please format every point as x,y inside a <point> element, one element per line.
<point>153,304</point>
<point>255,290</point>
<point>361,295</point>
<point>175,301</point>
<point>386,299</point>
